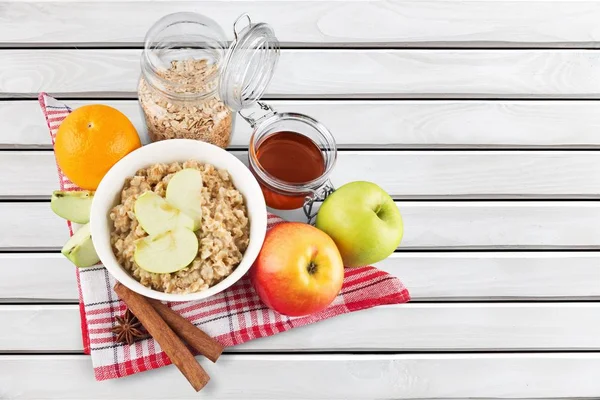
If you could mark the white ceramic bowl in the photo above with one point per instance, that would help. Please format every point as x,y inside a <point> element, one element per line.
<point>167,151</point>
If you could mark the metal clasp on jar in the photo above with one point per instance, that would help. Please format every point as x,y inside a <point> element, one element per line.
<point>258,114</point>
<point>318,195</point>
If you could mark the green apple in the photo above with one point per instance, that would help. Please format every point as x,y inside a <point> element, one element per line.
<point>363,221</point>
<point>74,206</point>
<point>166,252</point>
<point>156,216</point>
<point>79,249</point>
<point>184,191</point>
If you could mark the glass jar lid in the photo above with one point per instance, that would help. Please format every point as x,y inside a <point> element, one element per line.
<point>184,41</point>
<point>249,65</point>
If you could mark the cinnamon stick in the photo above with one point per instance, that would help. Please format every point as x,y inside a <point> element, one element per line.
<point>177,351</point>
<point>195,337</point>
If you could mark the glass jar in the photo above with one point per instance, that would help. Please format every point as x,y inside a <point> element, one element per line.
<point>191,84</point>
<point>280,194</point>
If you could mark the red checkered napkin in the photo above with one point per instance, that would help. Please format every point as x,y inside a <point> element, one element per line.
<point>231,317</point>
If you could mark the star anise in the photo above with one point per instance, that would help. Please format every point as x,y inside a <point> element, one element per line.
<point>128,328</point>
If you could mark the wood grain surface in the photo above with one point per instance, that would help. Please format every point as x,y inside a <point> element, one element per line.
<point>403,174</point>
<point>389,376</point>
<point>432,225</point>
<point>431,276</point>
<point>433,23</point>
<point>425,327</point>
<point>387,124</point>
<point>480,117</point>
<point>330,73</point>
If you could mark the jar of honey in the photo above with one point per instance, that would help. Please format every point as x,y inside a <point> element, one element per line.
<point>291,155</point>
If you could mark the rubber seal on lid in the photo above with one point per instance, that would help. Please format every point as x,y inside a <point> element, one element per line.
<point>249,65</point>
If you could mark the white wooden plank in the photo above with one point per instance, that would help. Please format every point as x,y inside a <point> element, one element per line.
<point>32,225</point>
<point>383,123</point>
<point>429,276</point>
<point>397,23</point>
<point>427,225</point>
<point>497,224</point>
<point>403,174</point>
<point>40,328</point>
<point>327,73</point>
<point>493,225</point>
<point>493,276</point>
<point>410,376</point>
<point>410,327</point>
<point>38,277</point>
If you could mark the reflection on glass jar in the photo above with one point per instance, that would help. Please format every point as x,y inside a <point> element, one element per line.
<point>178,89</point>
<point>291,156</point>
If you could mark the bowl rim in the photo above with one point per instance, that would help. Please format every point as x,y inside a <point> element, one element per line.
<point>112,184</point>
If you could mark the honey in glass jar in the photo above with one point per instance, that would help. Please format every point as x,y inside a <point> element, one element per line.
<point>291,155</point>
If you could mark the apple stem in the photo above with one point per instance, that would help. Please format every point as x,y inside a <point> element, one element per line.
<point>312,268</point>
<point>377,210</point>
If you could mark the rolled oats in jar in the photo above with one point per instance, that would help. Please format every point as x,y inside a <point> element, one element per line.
<point>178,88</point>
<point>192,84</point>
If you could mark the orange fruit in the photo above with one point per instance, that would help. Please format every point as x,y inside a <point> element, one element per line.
<point>90,141</point>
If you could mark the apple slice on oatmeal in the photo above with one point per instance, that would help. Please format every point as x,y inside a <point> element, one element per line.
<point>166,252</point>
<point>184,191</point>
<point>156,215</point>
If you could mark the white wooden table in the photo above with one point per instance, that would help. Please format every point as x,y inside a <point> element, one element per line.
<point>481,118</point>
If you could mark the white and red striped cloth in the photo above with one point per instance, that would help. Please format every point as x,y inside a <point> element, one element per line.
<point>232,317</point>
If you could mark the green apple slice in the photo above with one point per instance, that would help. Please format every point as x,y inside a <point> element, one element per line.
<point>184,191</point>
<point>79,249</point>
<point>156,216</point>
<point>74,206</point>
<point>167,252</point>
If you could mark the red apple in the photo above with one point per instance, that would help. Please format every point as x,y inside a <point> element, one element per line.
<point>299,270</point>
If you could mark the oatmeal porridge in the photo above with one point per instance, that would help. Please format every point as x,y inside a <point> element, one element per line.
<point>223,235</point>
